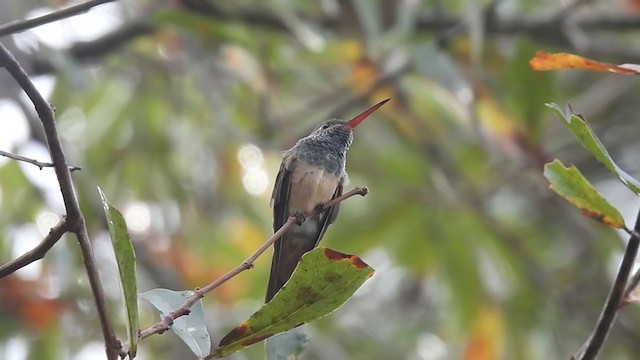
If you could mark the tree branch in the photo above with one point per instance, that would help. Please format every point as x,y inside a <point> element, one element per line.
<point>74,218</point>
<point>359,190</point>
<point>165,323</point>
<point>37,252</point>
<point>635,280</point>
<point>540,26</point>
<point>37,163</point>
<point>592,346</point>
<point>22,25</point>
<point>88,50</point>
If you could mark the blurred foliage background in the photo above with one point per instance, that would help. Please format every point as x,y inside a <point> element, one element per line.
<point>179,111</point>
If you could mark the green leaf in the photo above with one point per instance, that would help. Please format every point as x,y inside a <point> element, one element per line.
<point>284,346</point>
<point>190,328</point>
<point>323,280</point>
<point>584,134</point>
<point>126,259</point>
<point>569,183</point>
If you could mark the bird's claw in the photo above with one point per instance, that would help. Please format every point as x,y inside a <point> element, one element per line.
<point>300,219</point>
<point>320,208</point>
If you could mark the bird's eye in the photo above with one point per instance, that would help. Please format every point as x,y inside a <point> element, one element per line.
<point>325,126</point>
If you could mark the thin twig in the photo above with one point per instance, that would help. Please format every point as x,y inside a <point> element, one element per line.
<point>22,25</point>
<point>37,252</point>
<point>359,190</point>
<point>74,217</point>
<point>37,163</point>
<point>165,323</point>
<point>592,346</point>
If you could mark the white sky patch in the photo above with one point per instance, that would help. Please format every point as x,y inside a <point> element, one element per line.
<point>15,349</point>
<point>23,239</point>
<point>44,84</point>
<point>44,179</point>
<point>92,350</point>
<point>15,129</point>
<point>60,34</point>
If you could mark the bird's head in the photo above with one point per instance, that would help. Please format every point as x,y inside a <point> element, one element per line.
<point>335,128</point>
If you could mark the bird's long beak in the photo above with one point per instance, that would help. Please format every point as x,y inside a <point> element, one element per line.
<point>358,119</point>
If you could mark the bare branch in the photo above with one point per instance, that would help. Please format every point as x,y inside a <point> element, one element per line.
<point>359,190</point>
<point>37,252</point>
<point>165,323</point>
<point>22,25</point>
<point>37,163</point>
<point>592,346</point>
<point>74,217</point>
<point>88,50</point>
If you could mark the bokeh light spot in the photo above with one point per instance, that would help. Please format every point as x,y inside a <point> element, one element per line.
<point>138,217</point>
<point>250,157</point>
<point>255,181</point>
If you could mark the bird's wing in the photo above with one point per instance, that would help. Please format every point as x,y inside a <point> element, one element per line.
<point>286,255</point>
<point>280,204</point>
<point>280,195</point>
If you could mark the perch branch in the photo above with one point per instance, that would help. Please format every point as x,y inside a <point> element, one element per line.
<point>165,323</point>
<point>74,218</point>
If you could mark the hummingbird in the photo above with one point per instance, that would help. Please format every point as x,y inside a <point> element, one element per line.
<point>311,174</point>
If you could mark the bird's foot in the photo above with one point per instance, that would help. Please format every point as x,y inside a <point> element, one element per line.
<point>300,218</point>
<point>320,208</point>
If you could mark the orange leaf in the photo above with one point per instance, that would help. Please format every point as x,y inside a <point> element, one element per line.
<point>485,341</point>
<point>547,61</point>
<point>364,74</point>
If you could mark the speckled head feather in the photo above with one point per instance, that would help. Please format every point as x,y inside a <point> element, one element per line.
<point>326,146</point>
